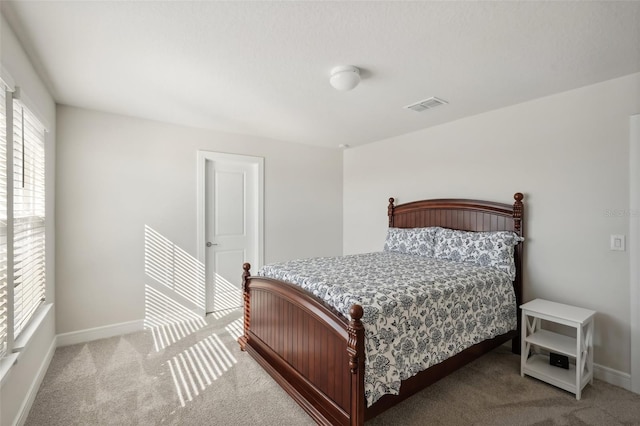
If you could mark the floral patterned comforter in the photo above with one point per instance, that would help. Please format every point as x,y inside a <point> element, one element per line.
<point>417,311</point>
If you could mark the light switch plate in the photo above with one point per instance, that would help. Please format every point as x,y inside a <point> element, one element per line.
<point>617,243</point>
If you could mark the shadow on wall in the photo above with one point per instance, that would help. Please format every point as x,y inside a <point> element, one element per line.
<point>175,309</point>
<point>227,297</point>
<point>175,295</point>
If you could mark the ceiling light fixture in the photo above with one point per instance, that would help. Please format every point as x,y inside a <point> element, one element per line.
<point>345,77</point>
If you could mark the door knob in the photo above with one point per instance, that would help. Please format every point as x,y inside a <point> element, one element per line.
<point>209,244</point>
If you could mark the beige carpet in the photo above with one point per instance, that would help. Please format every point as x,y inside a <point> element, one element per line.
<point>195,374</point>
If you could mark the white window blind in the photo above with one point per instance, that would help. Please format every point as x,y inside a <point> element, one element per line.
<point>3,221</point>
<point>28,216</point>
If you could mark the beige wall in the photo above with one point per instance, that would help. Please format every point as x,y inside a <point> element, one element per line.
<point>117,174</point>
<point>568,153</point>
<point>24,378</point>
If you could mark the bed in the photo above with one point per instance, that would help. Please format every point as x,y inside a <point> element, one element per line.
<point>316,352</point>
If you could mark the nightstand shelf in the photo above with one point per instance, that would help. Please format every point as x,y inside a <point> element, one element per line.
<point>555,342</point>
<point>579,349</point>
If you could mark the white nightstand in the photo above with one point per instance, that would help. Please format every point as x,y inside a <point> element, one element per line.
<point>579,348</point>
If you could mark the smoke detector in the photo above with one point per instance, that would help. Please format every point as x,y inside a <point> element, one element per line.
<point>426,104</point>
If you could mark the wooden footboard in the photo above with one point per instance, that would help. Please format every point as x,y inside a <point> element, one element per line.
<point>315,354</point>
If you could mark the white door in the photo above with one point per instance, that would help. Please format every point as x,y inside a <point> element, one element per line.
<point>232,231</point>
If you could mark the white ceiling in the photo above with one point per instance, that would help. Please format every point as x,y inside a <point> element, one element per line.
<point>262,68</point>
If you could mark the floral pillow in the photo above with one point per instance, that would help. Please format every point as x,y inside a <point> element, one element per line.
<point>414,241</point>
<point>493,249</point>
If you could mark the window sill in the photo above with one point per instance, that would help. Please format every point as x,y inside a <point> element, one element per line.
<point>5,365</point>
<point>30,330</point>
<point>22,342</point>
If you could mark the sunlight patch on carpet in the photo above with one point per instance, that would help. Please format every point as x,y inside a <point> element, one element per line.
<point>168,320</point>
<point>197,367</point>
<point>236,328</point>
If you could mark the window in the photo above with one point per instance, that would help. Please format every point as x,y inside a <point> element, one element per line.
<point>22,218</point>
<point>28,216</point>
<point>3,221</point>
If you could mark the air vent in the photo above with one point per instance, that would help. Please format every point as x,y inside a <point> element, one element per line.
<point>426,104</point>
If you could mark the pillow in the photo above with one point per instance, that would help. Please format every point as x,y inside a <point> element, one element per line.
<point>414,241</point>
<point>493,249</point>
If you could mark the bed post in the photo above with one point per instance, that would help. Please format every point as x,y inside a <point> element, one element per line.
<point>390,212</point>
<point>355,349</point>
<point>247,311</point>
<point>518,210</point>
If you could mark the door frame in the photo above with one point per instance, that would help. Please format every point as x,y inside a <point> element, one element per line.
<point>203,157</point>
<point>634,247</point>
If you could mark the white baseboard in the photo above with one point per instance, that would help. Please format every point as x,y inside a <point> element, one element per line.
<point>611,376</point>
<point>35,385</point>
<point>83,336</point>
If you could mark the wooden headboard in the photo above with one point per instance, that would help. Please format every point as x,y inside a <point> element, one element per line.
<point>466,215</point>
